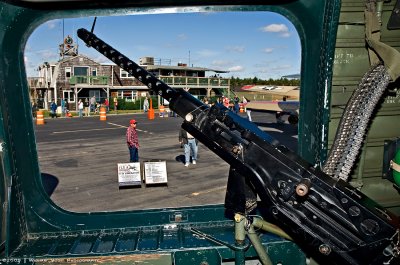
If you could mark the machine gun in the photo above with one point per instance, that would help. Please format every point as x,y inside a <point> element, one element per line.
<point>325,215</point>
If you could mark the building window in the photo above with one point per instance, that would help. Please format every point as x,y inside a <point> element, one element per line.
<point>129,95</point>
<point>124,74</point>
<point>81,70</point>
<point>96,94</point>
<point>94,71</point>
<point>67,72</point>
<point>69,96</point>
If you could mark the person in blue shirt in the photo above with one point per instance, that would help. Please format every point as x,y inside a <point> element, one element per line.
<point>53,109</point>
<point>63,107</point>
<point>236,104</point>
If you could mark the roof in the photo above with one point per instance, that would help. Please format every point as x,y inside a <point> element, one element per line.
<point>68,58</point>
<point>184,68</point>
<point>148,67</point>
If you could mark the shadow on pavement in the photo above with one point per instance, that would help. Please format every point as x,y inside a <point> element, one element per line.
<point>281,133</point>
<point>180,158</point>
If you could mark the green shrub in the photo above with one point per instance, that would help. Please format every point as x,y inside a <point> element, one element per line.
<point>132,105</point>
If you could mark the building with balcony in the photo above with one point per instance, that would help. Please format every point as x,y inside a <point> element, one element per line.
<point>80,77</point>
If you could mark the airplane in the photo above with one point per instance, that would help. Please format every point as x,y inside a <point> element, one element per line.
<point>290,92</point>
<point>268,88</point>
<point>280,108</point>
<point>289,105</point>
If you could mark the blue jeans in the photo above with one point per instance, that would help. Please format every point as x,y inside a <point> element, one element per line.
<point>236,108</point>
<point>134,154</point>
<point>248,112</point>
<point>190,147</point>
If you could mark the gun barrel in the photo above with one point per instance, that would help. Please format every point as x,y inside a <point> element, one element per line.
<point>326,214</point>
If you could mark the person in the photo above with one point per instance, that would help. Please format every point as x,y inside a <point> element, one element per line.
<point>236,104</point>
<point>92,104</point>
<point>115,104</point>
<point>145,104</point>
<point>225,101</point>
<point>132,141</point>
<point>161,111</point>
<point>34,109</point>
<point>248,111</point>
<point>172,113</point>
<point>87,107</point>
<point>80,108</point>
<point>107,104</point>
<point>53,109</point>
<point>97,108</point>
<point>63,107</point>
<point>190,146</point>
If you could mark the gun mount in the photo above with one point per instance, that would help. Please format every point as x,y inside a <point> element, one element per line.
<point>327,216</point>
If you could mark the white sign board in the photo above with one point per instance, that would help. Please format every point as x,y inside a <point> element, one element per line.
<point>129,174</point>
<point>155,172</point>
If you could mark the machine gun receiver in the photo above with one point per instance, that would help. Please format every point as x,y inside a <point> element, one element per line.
<point>325,215</point>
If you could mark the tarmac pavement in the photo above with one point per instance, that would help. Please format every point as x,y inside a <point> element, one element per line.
<point>78,159</point>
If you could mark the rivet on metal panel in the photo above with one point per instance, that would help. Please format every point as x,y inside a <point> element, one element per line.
<point>325,249</point>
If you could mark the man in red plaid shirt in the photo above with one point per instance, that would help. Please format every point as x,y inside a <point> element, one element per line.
<point>132,141</point>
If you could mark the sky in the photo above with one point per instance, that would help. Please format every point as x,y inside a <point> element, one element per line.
<point>247,44</point>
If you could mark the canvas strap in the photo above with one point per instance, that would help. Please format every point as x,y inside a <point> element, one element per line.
<point>395,166</point>
<point>379,51</point>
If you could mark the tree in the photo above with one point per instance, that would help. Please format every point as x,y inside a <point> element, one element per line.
<point>237,83</point>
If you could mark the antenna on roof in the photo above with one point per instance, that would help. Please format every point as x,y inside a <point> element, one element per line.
<point>91,31</point>
<point>63,36</point>
<point>94,23</point>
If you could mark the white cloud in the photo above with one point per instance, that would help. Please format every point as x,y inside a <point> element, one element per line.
<point>282,29</point>
<point>225,65</point>
<point>182,36</point>
<point>238,49</point>
<point>285,34</point>
<point>275,28</point>
<point>268,50</point>
<point>237,68</point>
<point>51,24</point>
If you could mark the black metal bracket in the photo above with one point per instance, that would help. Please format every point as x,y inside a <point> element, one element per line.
<point>394,20</point>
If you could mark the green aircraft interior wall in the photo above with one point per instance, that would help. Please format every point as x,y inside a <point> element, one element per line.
<point>350,64</point>
<point>329,64</point>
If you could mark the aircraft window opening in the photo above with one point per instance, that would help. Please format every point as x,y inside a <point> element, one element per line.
<point>253,55</point>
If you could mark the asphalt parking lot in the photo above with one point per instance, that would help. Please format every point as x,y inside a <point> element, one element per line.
<point>78,158</point>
